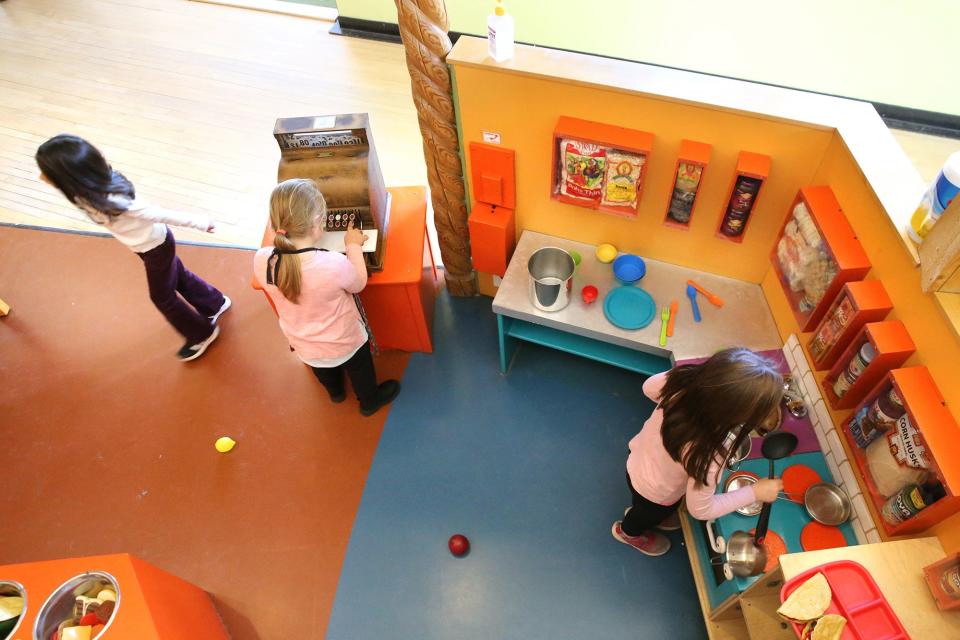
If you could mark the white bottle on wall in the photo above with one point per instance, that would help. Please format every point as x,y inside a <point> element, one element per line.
<point>500,34</point>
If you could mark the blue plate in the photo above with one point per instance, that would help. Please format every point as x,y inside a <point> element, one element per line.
<point>629,308</point>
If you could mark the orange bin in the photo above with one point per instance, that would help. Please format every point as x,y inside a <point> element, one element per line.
<point>151,604</point>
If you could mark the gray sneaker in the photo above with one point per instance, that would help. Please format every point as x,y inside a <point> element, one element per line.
<point>650,543</point>
<point>193,351</point>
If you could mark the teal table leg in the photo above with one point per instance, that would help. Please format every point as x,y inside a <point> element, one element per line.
<point>508,345</point>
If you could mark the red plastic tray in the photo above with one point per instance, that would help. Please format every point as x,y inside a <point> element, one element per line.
<point>857,598</point>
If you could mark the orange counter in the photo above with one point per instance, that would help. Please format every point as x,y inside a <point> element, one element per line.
<point>151,603</point>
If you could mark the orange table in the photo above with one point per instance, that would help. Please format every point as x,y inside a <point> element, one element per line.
<point>399,300</point>
<point>151,604</point>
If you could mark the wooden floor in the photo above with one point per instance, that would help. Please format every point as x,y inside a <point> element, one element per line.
<point>182,97</point>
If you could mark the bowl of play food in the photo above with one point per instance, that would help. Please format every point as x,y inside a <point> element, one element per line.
<point>13,602</point>
<point>82,608</point>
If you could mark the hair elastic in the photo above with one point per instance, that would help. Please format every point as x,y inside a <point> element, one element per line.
<point>281,232</point>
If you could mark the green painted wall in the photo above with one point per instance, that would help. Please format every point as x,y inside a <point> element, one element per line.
<point>883,51</point>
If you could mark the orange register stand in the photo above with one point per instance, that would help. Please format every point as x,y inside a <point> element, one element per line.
<point>399,300</point>
<point>151,604</point>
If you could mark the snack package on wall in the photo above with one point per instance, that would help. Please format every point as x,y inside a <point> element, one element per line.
<point>581,174</point>
<point>684,192</point>
<point>621,188</point>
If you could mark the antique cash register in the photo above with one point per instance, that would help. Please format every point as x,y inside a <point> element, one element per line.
<point>337,152</point>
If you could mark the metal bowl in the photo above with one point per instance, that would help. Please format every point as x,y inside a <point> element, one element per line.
<point>740,454</point>
<point>827,503</point>
<point>738,481</point>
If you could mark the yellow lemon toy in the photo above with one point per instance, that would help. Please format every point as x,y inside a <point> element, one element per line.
<point>225,444</point>
<point>606,253</point>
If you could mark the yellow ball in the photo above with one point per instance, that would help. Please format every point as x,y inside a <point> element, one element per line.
<point>606,253</point>
<point>225,444</point>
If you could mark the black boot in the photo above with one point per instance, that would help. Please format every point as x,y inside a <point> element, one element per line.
<point>386,392</point>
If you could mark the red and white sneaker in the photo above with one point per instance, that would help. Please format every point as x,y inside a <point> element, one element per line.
<point>650,543</point>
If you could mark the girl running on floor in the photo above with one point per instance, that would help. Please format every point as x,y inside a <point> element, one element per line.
<point>313,292</point>
<point>83,175</point>
<point>684,444</point>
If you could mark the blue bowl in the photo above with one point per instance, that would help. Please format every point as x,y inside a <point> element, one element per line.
<point>629,268</point>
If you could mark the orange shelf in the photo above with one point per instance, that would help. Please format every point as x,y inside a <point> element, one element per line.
<point>604,135</point>
<point>864,301</point>
<point>692,153</point>
<point>841,245</point>
<point>940,435</point>
<point>893,345</point>
<point>750,165</point>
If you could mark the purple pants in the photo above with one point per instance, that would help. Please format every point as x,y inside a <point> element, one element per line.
<point>166,277</point>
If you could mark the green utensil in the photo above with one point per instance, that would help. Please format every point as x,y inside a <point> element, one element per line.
<point>664,319</point>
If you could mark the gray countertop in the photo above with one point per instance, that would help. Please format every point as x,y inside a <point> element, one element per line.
<point>744,320</point>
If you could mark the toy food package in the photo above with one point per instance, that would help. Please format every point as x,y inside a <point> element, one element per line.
<point>621,188</point>
<point>684,192</point>
<point>582,171</point>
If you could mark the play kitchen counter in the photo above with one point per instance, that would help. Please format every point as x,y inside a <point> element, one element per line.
<point>896,567</point>
<point>583,329</point>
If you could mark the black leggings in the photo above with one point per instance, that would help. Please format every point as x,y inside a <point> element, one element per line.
<point>362,376</point>
<point>644,515</point>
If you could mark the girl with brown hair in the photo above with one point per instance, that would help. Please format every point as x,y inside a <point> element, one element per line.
<point>313,292</point>
<point>705,411</point>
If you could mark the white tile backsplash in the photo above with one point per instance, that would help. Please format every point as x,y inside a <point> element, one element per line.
<point>792,342</point>
<point>861,521</point>
<point>858,530</point>
<point>810,391</point>
<point>823,415</point>
<point>835,447</point>
<point>850,484</point>
<point>860,508</point>
<point>802,367</point>
<point>833,466</point>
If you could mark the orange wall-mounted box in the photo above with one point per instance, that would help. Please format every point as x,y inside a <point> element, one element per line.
<point>694,155</point>
<point>492,175</point>
<point>492,237</point>
<point>607,136</point>
<point>750,165</point>
<point>857,303</point>
<point>892,346</point>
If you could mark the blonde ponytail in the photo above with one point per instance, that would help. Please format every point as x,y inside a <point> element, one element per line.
<point>294,206</point>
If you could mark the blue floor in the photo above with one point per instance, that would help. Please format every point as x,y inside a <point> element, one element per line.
<point>530,467</point>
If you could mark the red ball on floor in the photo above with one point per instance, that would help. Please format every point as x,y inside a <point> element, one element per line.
<point>459,545</point>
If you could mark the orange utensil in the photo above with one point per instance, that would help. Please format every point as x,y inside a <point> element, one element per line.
<point>673,316</point>
<point>716,301</point>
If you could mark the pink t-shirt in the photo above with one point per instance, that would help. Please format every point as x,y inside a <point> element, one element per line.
<point>661,479</point>
<point>324,324</point>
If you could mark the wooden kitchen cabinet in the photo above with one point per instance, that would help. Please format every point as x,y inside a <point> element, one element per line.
<point>897,568</point>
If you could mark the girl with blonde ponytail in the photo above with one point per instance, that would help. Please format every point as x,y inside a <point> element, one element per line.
<point>313,292</point>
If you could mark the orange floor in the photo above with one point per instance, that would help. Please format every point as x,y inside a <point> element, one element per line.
<point>108,439</point>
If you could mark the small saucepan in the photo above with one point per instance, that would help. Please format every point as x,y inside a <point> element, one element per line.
<point>827,503</point>
<point>745,553</point>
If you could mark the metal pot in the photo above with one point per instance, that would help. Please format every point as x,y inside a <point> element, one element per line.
<point>744,556</point>
<point>551,278</point>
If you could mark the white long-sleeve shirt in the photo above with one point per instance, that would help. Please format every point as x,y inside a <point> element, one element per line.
<point>143,226</point>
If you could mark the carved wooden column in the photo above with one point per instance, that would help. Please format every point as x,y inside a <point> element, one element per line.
<point>423,28</point>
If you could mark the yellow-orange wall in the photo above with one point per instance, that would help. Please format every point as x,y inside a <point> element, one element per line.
<point>937,347</point>
<point>525,111</point>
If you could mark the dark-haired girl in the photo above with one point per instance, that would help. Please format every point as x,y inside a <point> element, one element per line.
<point>83,175</point>
<point>684,444</point>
